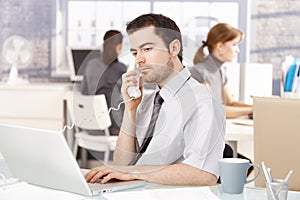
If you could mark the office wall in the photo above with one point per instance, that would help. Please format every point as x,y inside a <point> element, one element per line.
<point>274,34</point>
<point>32,20</point>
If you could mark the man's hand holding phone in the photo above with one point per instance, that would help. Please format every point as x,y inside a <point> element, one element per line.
<point>132,88</point>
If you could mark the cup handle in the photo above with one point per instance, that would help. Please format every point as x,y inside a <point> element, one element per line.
<point>258,173</point>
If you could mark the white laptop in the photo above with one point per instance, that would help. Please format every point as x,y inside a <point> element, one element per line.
<point>43,157</point>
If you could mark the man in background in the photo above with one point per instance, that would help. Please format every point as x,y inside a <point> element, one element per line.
<point>103,76</point>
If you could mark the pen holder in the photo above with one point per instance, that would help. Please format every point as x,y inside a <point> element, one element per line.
<point>277,189</point>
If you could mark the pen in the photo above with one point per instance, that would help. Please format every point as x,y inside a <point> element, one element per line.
<point>270,175</point>
<point>266,172</point>
<point>288,176</point>
<point>286,180</point>
<point>268,179</point>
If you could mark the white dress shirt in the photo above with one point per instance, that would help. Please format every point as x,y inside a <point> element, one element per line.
<point>190,127</point>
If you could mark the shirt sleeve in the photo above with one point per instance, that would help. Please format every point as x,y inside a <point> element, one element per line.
<point>204,136</point>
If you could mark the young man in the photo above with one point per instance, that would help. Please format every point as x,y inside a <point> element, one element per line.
<point>188,136</point>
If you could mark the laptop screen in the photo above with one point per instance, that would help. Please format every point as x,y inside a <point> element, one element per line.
<point>43,157</point>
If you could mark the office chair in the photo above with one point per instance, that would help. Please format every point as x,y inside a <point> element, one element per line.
<point>227,153</point>
<point>90,112</point>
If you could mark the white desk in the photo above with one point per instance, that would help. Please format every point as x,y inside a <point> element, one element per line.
<point>248,194</point>
<point>240,131</point>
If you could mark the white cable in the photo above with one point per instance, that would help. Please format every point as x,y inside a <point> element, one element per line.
<point>68,127</point>
<point>118,107</point>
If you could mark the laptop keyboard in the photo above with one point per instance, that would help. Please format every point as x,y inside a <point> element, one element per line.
<point>98,186</point>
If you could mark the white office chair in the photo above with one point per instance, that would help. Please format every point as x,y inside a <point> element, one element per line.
<point>91,113</point>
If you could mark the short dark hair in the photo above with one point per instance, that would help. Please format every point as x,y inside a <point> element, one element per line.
<point>165,27</point>
<point>110,41</point>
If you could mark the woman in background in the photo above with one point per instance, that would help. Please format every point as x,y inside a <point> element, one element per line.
<point>220,46</point>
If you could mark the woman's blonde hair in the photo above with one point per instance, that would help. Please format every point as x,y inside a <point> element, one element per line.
<point>221,32</point>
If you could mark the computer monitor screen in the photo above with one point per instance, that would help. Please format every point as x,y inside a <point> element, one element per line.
<point>78,57</point>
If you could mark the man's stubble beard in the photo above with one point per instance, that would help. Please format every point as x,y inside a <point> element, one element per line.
<point>160,76</point>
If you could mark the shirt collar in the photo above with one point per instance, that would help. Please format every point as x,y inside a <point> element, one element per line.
<point>174,84</point>
<point>215,62</point>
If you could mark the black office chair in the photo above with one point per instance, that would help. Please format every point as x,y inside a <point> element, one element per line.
<point>228,151</point>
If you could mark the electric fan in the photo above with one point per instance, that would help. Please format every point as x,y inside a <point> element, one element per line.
<point>18,53</point>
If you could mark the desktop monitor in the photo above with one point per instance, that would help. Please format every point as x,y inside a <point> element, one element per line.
<point>78,57</point>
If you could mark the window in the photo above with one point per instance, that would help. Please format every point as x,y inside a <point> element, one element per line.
<point>84,22</point>
<point>89,20</point>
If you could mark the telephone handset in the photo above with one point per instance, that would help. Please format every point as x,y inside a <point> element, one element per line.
<point>134,91</point>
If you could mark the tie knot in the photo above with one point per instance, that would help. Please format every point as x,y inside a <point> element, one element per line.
<point>158,100</point>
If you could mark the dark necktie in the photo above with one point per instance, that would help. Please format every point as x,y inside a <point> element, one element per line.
<point>158,100</point>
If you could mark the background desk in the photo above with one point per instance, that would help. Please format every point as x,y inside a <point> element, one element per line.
<point>239,135</point>
<point>34,105</point>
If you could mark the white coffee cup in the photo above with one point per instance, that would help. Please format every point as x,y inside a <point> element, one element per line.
<point>234,174</point>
